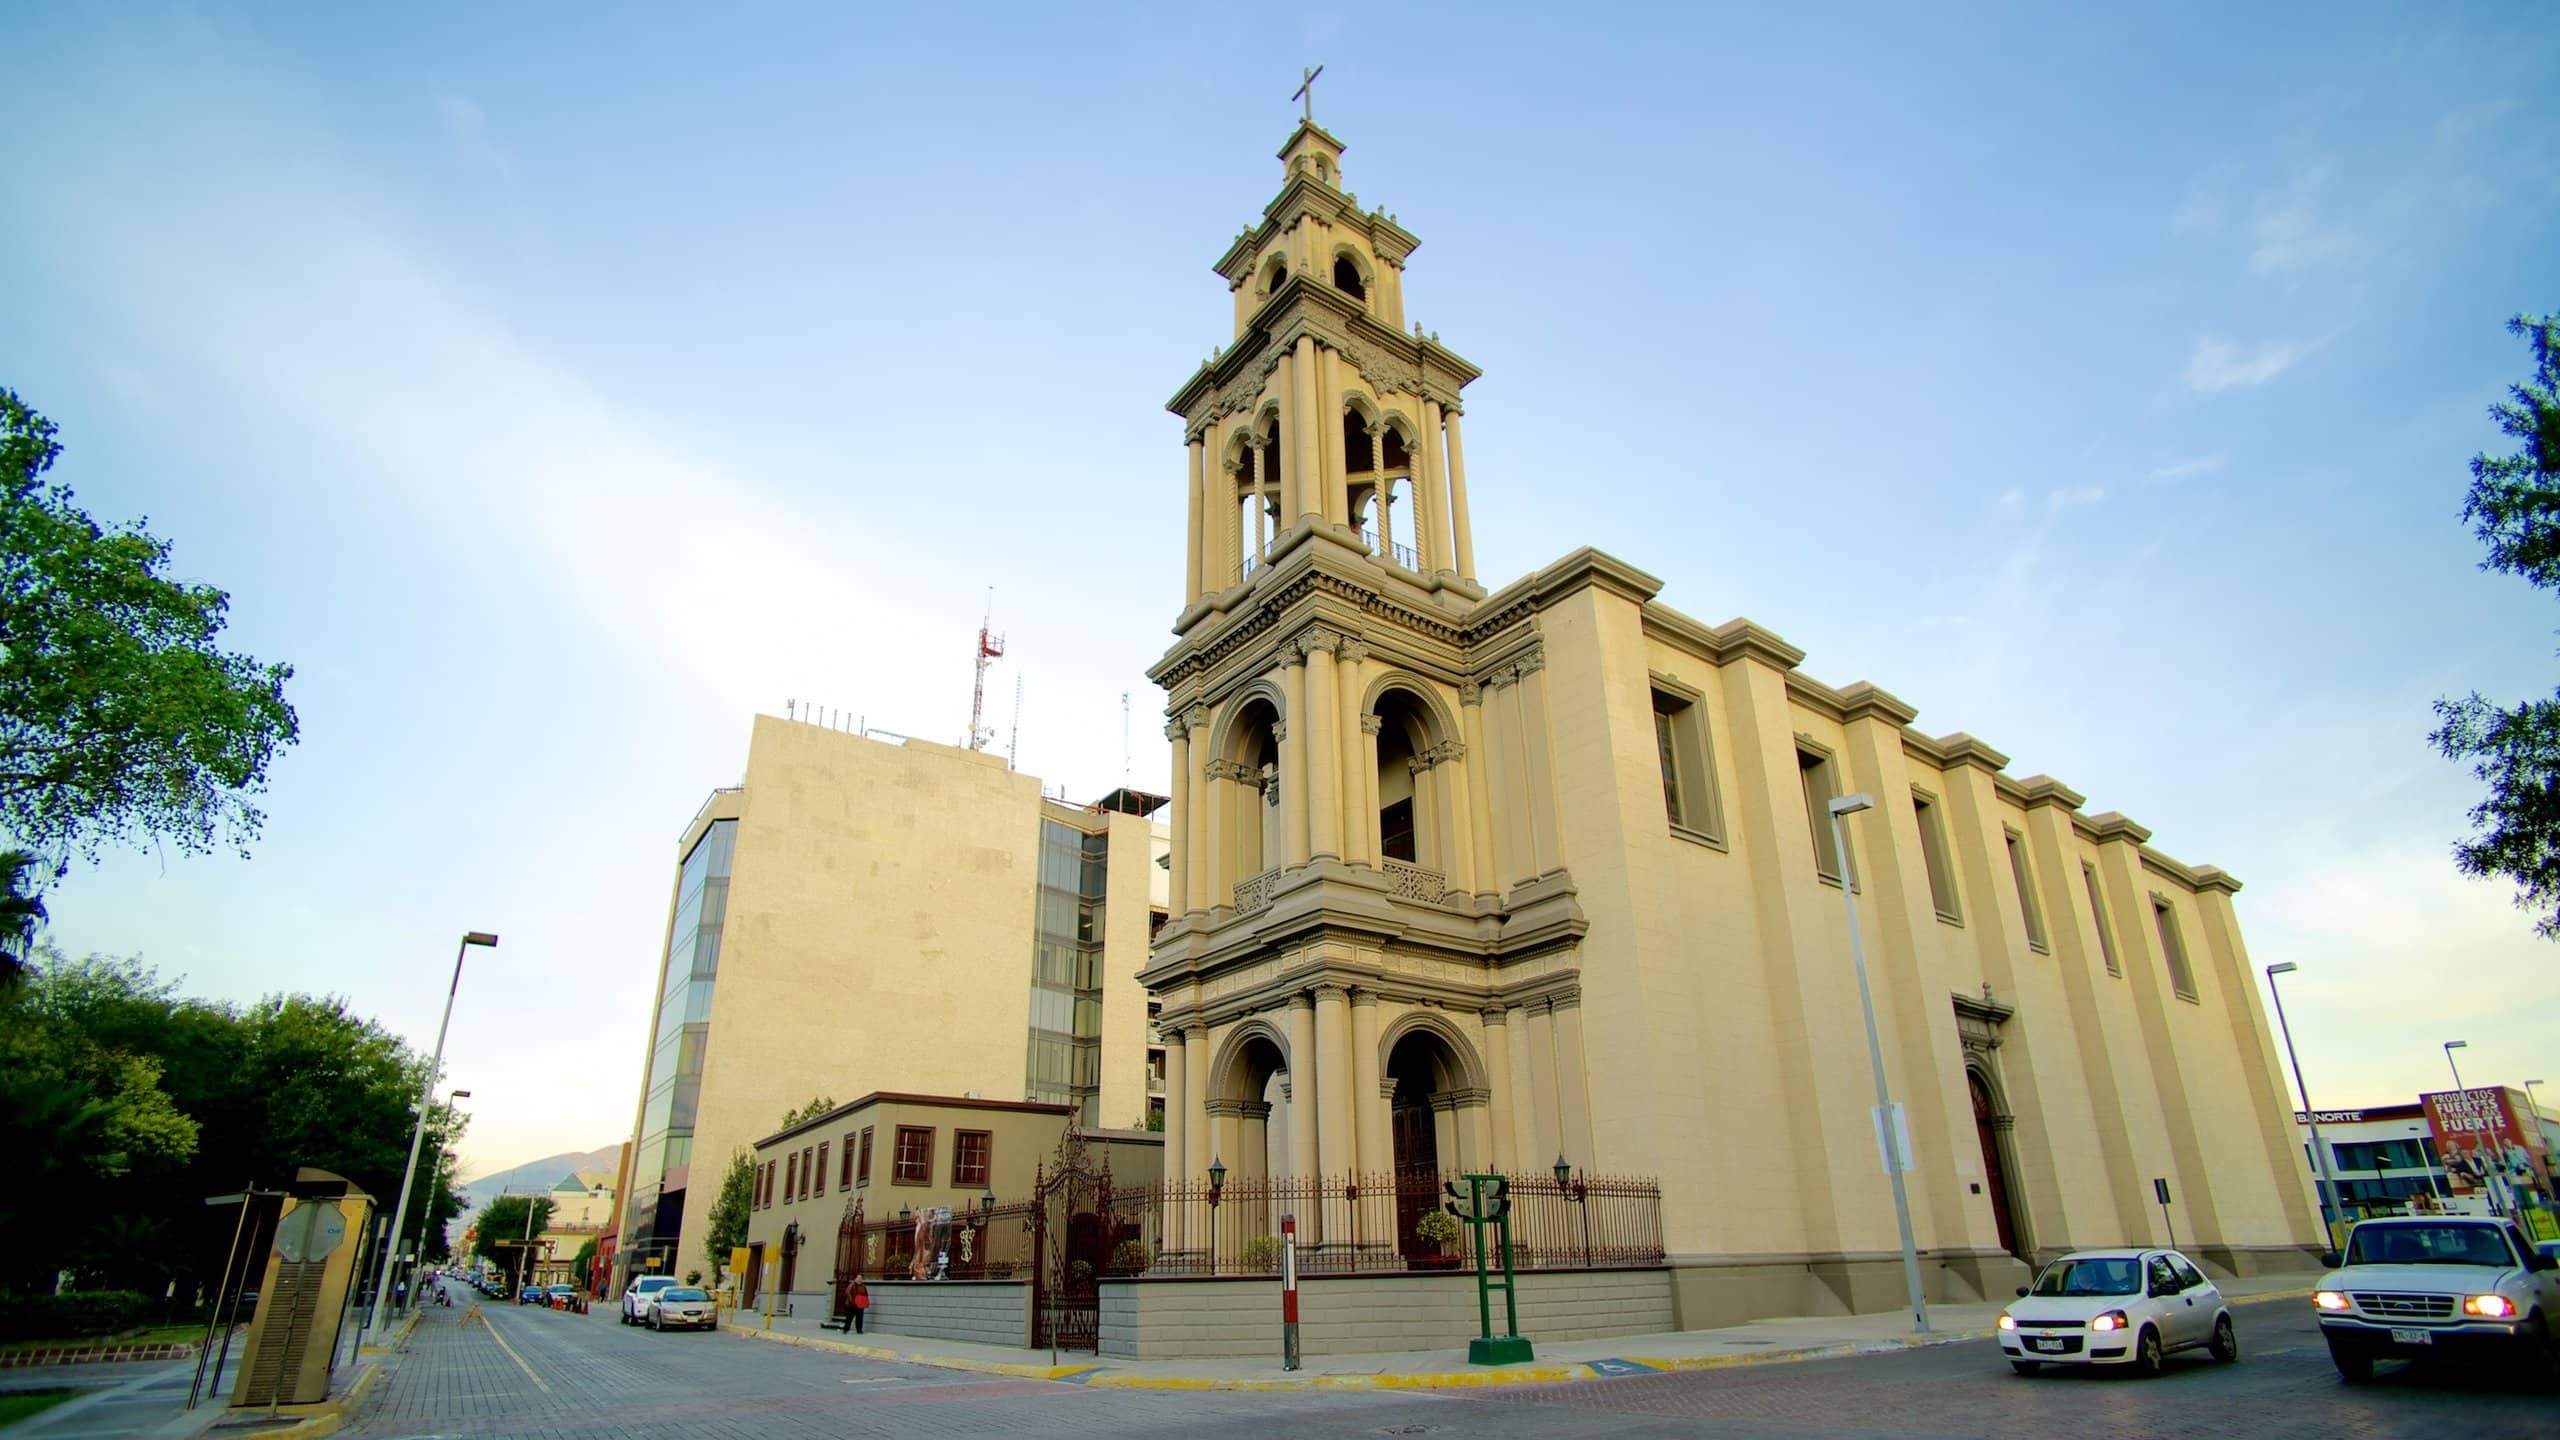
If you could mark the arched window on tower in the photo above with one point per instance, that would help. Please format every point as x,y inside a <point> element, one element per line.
<point>1273,278</point>
<point>1257,510</point>
<point>1380,470</point>
<point>1407,815</point>
<point>1346,277</point>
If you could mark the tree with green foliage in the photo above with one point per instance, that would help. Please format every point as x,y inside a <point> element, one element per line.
<point>121,718</point>
<point>21,914</point>
<point>498,1233</point>
<point>582,1266</point>
<point>2514,507</point>
<point>123,1104</point>
<point>817,1106</point>
<point>726,1227</point>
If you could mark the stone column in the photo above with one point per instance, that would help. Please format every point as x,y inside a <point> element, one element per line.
<point>1458,499</point>
<point>1373,1149</point>
<point>1299,1023</point>
<point>1537,777</point>
<point>1573,1090</point>
<point>1457,771</point>
<point>1310,449</point>
<point>1524,1108</point>
<point>1213,836</point>
<point>1199,533</point>
<point>1177,894</point>
<point>1178,1101</point>
<point>1334,1138</point>
<point>1261,504</point>
<point>1200,886</point>
<point>1334,497</point>
<point>1195,1090</point>
<point>1542,1082</point>
<point>1370,724</point>
<point>1295,736</point>
<point>1359,844</point>
<point>1427,543</point>
<point>1489,878</point>
<point>1497,1068</point>
<point>1324,771</point>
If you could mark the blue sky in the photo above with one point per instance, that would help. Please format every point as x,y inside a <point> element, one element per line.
<point>558,391</point>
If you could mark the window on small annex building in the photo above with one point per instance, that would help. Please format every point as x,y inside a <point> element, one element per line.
<point>2098,912</point>
<point>2029,910</point>
<point>1933,854</point>
<point>1821,777</point>
<point>1688,769</point>
<point>2173,946</point>
<point>970,1152</point>
<point>844,1177</point>
<point>862,1168</point>
<point>912,1163</point>
<point>822,1167</point>
<point>790,1177</point>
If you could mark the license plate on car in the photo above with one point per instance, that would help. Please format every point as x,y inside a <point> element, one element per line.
<point>2044,1345</point>
<point>2412,1337</point>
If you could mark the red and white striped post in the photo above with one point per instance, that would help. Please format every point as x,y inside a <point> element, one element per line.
<point>1288,1292</point>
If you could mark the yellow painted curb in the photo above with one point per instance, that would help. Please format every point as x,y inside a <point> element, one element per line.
<point>325,1416</point>
<point>945,1362</point>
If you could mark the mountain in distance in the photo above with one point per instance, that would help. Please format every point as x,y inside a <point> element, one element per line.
<point>539,1174</point>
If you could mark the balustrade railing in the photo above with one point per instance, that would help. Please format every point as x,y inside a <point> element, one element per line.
<point>1253,893</point>
<point>1403,555</point>
<point>1407,881</point>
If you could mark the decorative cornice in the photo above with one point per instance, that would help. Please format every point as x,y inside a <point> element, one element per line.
<point>1962,749</point>
<point>1470,692</point>
<point>1217,769</point>
<point>1354,650</point>
<point>1176,731</point>
<point>1862,700</point>
<point>2038,790</point>
<point>2213,877</point>
<point>2111,826</point>
<point>1372,722</point>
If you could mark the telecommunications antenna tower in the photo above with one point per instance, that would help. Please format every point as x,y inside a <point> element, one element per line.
<point>1013,747</point>
<point>990,646</point>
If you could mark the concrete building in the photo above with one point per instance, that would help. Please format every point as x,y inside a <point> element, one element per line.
<point>868,914</point>
<point>2385,1160</point>
<point>892,1153</point>
<point>1477,878</point>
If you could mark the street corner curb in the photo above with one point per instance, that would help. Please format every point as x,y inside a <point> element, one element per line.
<point>1105,1379</point>
<point>939,1362</point>
<point>1842,1351</point>
<point>2235,1301</point>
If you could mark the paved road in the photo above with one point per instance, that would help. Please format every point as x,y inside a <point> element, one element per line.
<point>541,1374</point>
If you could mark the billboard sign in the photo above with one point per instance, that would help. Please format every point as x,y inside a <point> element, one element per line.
<point>2484,1144</point>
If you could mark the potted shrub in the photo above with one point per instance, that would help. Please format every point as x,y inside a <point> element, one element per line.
<point>1130,1257</point>
<point>1262,1252</point>
<point>1441,1229</point>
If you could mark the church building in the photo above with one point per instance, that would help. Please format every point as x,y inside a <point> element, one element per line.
<point>1473,879</point>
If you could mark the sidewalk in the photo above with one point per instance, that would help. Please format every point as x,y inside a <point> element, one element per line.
<point>1762,1342</point>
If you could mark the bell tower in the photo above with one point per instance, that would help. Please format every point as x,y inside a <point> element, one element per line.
<point>1337,694</point>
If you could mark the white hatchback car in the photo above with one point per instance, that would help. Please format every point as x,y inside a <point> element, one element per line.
<point>2116,1307</point>
<point>635,1301</point>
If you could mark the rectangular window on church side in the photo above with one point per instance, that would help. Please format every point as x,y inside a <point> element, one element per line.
<point>1933,853</point>
<point>1681,746</point>
<point>844,1177</point>
<point>2098,912</point>
<point>862,1167</point>
<point>1821,777</point>
<point>822,1167</point>
<point>970,1154</point>
<point>2028,909</point>
<point>2174,948</point>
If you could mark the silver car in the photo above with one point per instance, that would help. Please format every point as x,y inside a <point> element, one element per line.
<point>683,1307</point>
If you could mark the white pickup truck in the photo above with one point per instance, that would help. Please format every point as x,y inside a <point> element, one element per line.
<point>2430,1287</point>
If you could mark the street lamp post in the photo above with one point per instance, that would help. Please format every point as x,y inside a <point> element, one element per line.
<point>435,1173</point>
<point>418,1136</point>
<point>1888,1135</point>
<point>2488,1182</point>
<point>2331,1202</point>
<point>2427,1164</point>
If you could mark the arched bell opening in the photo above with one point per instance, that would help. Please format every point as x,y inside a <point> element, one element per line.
<point>1412,816</point>
<point>1253,468</point>
<point>1253,768</point>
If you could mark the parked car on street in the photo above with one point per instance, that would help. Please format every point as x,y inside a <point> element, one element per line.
<point>2439,1287</point>
<point>683,1307</point>
<point>635,1301</point>
<point>532,1295</point>
<point>563,1297</point>
<point>2117,1307</point>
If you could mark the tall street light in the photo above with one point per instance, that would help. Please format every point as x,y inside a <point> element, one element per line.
<point>2449,1047</point>
<point>2331,1202</point>
<point>2488,1182</point>
<point>418,1137</point>
<point>2427,1163</point>
<point>1888,1135</point>
<point>435,1173</point>
<point>2533,1102</point>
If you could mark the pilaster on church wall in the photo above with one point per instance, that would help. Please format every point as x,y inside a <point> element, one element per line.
<point>2244,1203</point>
<point>2292,1215</point>
<point>2147,986</point>
<point>1910,978</point>
<point>2078,1071</point>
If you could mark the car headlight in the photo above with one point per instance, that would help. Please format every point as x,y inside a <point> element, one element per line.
<point>2328,1300</point>
<point>2112,1320</point>
<point>2008,1321</point>
<point>2491,1307</point>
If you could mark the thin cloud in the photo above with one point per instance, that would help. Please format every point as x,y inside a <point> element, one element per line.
<point>2291,233</point>
<point>2187,469</point>
<point>2221,365</point>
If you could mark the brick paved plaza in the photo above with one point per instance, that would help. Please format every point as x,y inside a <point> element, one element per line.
<point>542,1374</point>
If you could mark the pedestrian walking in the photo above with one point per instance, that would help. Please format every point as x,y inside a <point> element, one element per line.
<point>861,1302</point>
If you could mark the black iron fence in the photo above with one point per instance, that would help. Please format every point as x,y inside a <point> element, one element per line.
<point>1346,1224</point>
<point>1353,1224</point>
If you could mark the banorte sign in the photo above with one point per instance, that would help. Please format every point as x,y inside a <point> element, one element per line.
<point>2478,1134</point>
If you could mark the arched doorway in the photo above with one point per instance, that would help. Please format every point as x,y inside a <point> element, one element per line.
<point>1990,1124</point>
<point>1429,1081</point>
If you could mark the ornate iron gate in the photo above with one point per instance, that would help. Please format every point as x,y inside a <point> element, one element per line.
<point>1071,1240</point>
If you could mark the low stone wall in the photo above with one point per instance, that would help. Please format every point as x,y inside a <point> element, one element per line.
<point>1366,1314</point>
<point>987,1312</point>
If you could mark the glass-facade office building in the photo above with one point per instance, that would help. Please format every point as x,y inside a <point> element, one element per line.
<point>661,1165</point>
<point>1065,1063</point>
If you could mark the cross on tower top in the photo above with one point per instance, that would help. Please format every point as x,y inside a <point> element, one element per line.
<point>1307,91</point>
